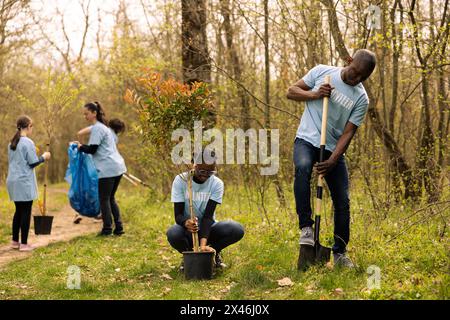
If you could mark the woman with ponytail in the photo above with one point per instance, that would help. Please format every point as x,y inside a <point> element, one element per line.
<point>109,163</point>
<point>21,181</point>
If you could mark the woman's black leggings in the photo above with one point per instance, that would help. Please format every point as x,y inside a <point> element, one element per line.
<point>21,221</point>
<point>107,188</point>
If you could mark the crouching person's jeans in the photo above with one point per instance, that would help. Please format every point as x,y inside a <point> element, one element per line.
<point>222,234</point>
<point>305,155</point>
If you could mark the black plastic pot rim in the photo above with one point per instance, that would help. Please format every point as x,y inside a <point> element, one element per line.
<point>198,252</point>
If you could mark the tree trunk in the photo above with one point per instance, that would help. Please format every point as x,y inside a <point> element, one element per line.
<point>235,63</point>
<point>195,57</point>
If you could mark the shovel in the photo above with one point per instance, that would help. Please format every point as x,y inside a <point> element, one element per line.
<point>197,264</point>
<point>317,254</point>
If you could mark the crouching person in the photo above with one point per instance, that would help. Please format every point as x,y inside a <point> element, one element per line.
<point>207,191</point>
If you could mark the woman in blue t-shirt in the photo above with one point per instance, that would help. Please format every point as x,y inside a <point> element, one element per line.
<point>21,180</point>
<point>109,163</point>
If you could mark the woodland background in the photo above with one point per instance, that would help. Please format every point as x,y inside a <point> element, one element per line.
<point>249,52</point>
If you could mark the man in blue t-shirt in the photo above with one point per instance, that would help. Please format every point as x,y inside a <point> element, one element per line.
<point>207,193</point>
<point>348,103</point>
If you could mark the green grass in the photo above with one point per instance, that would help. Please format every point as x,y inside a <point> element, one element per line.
<point>55,202</point>
<point>137,265</point>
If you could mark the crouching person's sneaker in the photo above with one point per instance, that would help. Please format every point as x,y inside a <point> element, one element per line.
<point>181,267</point>
<point>218,262</point>
<point>26,247</point>
<point>307,236</point>
<point>341,260</point>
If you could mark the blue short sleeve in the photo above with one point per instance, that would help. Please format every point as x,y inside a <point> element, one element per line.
<point>359,112</point>
<point>30,153</point>
<point>96,135</point>
<point>311,77</point>
<point>217,191</point>
<point>178,189</point>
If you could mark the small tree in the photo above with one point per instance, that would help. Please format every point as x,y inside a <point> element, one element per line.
<point>164,105</point>
<point>55,99</point>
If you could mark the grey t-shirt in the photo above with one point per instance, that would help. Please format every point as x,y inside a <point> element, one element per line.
<point>21,180</point>
<point>347,103</point>
<point>107,159</point>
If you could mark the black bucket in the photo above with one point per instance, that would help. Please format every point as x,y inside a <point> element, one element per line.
<point>198,265</point>
<point>43,224</point>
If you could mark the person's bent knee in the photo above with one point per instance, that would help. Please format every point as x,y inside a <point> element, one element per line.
<point>174,233</point>
<point>236,229</point>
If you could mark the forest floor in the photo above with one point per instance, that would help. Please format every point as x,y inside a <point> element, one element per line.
<point>407,248</point>
<point>63,228</point>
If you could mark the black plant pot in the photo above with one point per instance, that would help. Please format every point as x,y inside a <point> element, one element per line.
<point>198,265</point>
<point>43,224</point>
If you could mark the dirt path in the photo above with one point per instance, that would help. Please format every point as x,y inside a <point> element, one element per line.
<point>63,229</point>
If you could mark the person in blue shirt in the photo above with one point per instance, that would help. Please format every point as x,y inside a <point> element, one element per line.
<point>21,181</point>
<point>109,164</point>
<point>207,191</point>
<point>348,103</point>
<point>117,127</point>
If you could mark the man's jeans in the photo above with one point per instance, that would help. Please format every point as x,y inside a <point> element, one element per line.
<point>305,155</point>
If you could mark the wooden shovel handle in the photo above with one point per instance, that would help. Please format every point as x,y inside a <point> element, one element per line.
<point>323,141</point>
<point>323,131</point>
<point>44,206</point>
<point>191,211</point>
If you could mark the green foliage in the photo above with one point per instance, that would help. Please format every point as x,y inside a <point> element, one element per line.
<point>166,105</point>
<point>56,98</point>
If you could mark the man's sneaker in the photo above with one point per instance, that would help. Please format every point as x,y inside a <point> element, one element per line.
<point>307,236</point>
<point>219,263</point>
<point>342,260</point>
<point>15,245</point>
<point>26,247</point>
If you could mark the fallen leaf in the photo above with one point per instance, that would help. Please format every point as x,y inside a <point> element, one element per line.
<point>311,287</point>
<point>339,291</point>
<point>285,282</point>
<point>166,276</point>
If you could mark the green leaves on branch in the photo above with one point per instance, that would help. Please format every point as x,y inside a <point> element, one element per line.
<point>166,105</point>
<point>54,99</point>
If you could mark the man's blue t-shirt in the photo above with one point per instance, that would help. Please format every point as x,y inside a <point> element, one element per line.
<point>201,193</point>
<point>347,103</point>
